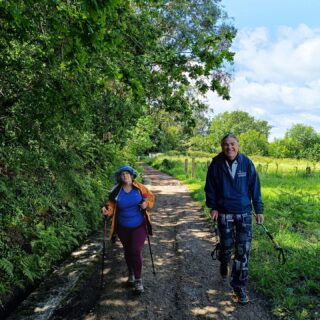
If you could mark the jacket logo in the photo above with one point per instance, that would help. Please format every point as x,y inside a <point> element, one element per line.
<point>242,174</point>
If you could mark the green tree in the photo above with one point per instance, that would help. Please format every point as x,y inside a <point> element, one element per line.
<point>279,148</point>
<point>253,142</point>
<point>168,133</point>
<point>314,152</point>
<point>200,143</point>
<point>236,122</point>
<point>301,139</point>
<point>187,58</point>
<point>140,141</point>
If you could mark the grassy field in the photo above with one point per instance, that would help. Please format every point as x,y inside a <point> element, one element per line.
<point>292,210</point>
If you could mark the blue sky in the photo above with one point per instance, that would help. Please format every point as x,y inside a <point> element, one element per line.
<point>277,63</point>
<point>273,13</point>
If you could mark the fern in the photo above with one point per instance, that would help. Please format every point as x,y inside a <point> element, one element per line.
<point>6,266</point>
<point>30,267</point>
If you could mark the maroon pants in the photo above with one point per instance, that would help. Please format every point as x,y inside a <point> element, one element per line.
<point>133,242</point>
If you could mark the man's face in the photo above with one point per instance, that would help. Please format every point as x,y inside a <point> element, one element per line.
<point>230,148</point>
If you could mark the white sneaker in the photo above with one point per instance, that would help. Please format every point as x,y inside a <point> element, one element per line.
<point>138,287</point>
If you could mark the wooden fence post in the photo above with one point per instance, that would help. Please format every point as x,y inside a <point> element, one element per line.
<point>193,167</point>
<point>186,167</point>
<point>308,171</point>
<point>259,168</point>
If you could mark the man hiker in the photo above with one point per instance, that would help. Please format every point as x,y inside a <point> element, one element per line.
<point>232,187</point>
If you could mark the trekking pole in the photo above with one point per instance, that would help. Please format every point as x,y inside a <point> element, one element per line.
<point>281,256</point>
<point>154,272</point>
<point>103,249</point>
<point>145,198</point>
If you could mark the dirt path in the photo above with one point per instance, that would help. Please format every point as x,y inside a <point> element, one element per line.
<point>187,284</point>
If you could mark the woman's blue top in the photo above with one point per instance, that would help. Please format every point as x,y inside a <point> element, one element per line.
<point>129,213</point>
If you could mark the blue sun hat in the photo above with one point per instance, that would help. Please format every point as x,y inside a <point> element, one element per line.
<point>124,167</point>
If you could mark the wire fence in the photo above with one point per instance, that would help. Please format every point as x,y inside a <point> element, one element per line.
<point>193,167</point>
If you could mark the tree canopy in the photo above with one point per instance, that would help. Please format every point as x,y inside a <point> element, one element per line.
<point>300,141</point>
<point>237,123</point>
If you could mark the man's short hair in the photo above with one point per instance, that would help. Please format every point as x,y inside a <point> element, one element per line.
<point>229,135</point>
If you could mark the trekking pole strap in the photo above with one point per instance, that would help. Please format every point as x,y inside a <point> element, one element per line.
<point>281,256</point>
<point>215,252</point>
<point>214,228</point>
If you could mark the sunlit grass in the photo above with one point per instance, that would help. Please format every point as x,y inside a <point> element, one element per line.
<point>292,206</point>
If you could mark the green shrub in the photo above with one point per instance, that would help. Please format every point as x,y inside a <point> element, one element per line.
<point>167,164</point>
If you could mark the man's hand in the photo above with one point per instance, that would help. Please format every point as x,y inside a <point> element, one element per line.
<point>259,218</point>
<point>214,215</point>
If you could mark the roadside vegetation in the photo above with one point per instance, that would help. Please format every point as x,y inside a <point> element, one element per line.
<point>85,85</point>
<point>292,206</point>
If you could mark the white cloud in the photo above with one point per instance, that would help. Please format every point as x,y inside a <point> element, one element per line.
<point>276,78</point>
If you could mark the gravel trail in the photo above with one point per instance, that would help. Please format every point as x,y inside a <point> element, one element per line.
<point>187,284</point>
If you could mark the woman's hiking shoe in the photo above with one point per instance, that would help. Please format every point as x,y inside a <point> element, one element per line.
<point>138,287</point>
<point>131,280</point>
<point>240,296</point>
<point>224,269</point>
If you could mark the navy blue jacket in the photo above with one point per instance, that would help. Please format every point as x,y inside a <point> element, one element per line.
<point>228,195</point>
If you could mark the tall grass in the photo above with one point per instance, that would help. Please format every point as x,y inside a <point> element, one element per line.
<point>292,207</point>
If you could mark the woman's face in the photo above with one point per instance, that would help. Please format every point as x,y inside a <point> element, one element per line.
<point>126,177</point>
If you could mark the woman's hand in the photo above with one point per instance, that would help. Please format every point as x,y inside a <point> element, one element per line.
<point>105,211</point>
<point>143,205</point>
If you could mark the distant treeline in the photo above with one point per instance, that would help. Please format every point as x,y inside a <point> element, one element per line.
<point>300,141</point>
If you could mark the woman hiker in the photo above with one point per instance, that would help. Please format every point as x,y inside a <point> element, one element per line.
<point>128,203</point>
